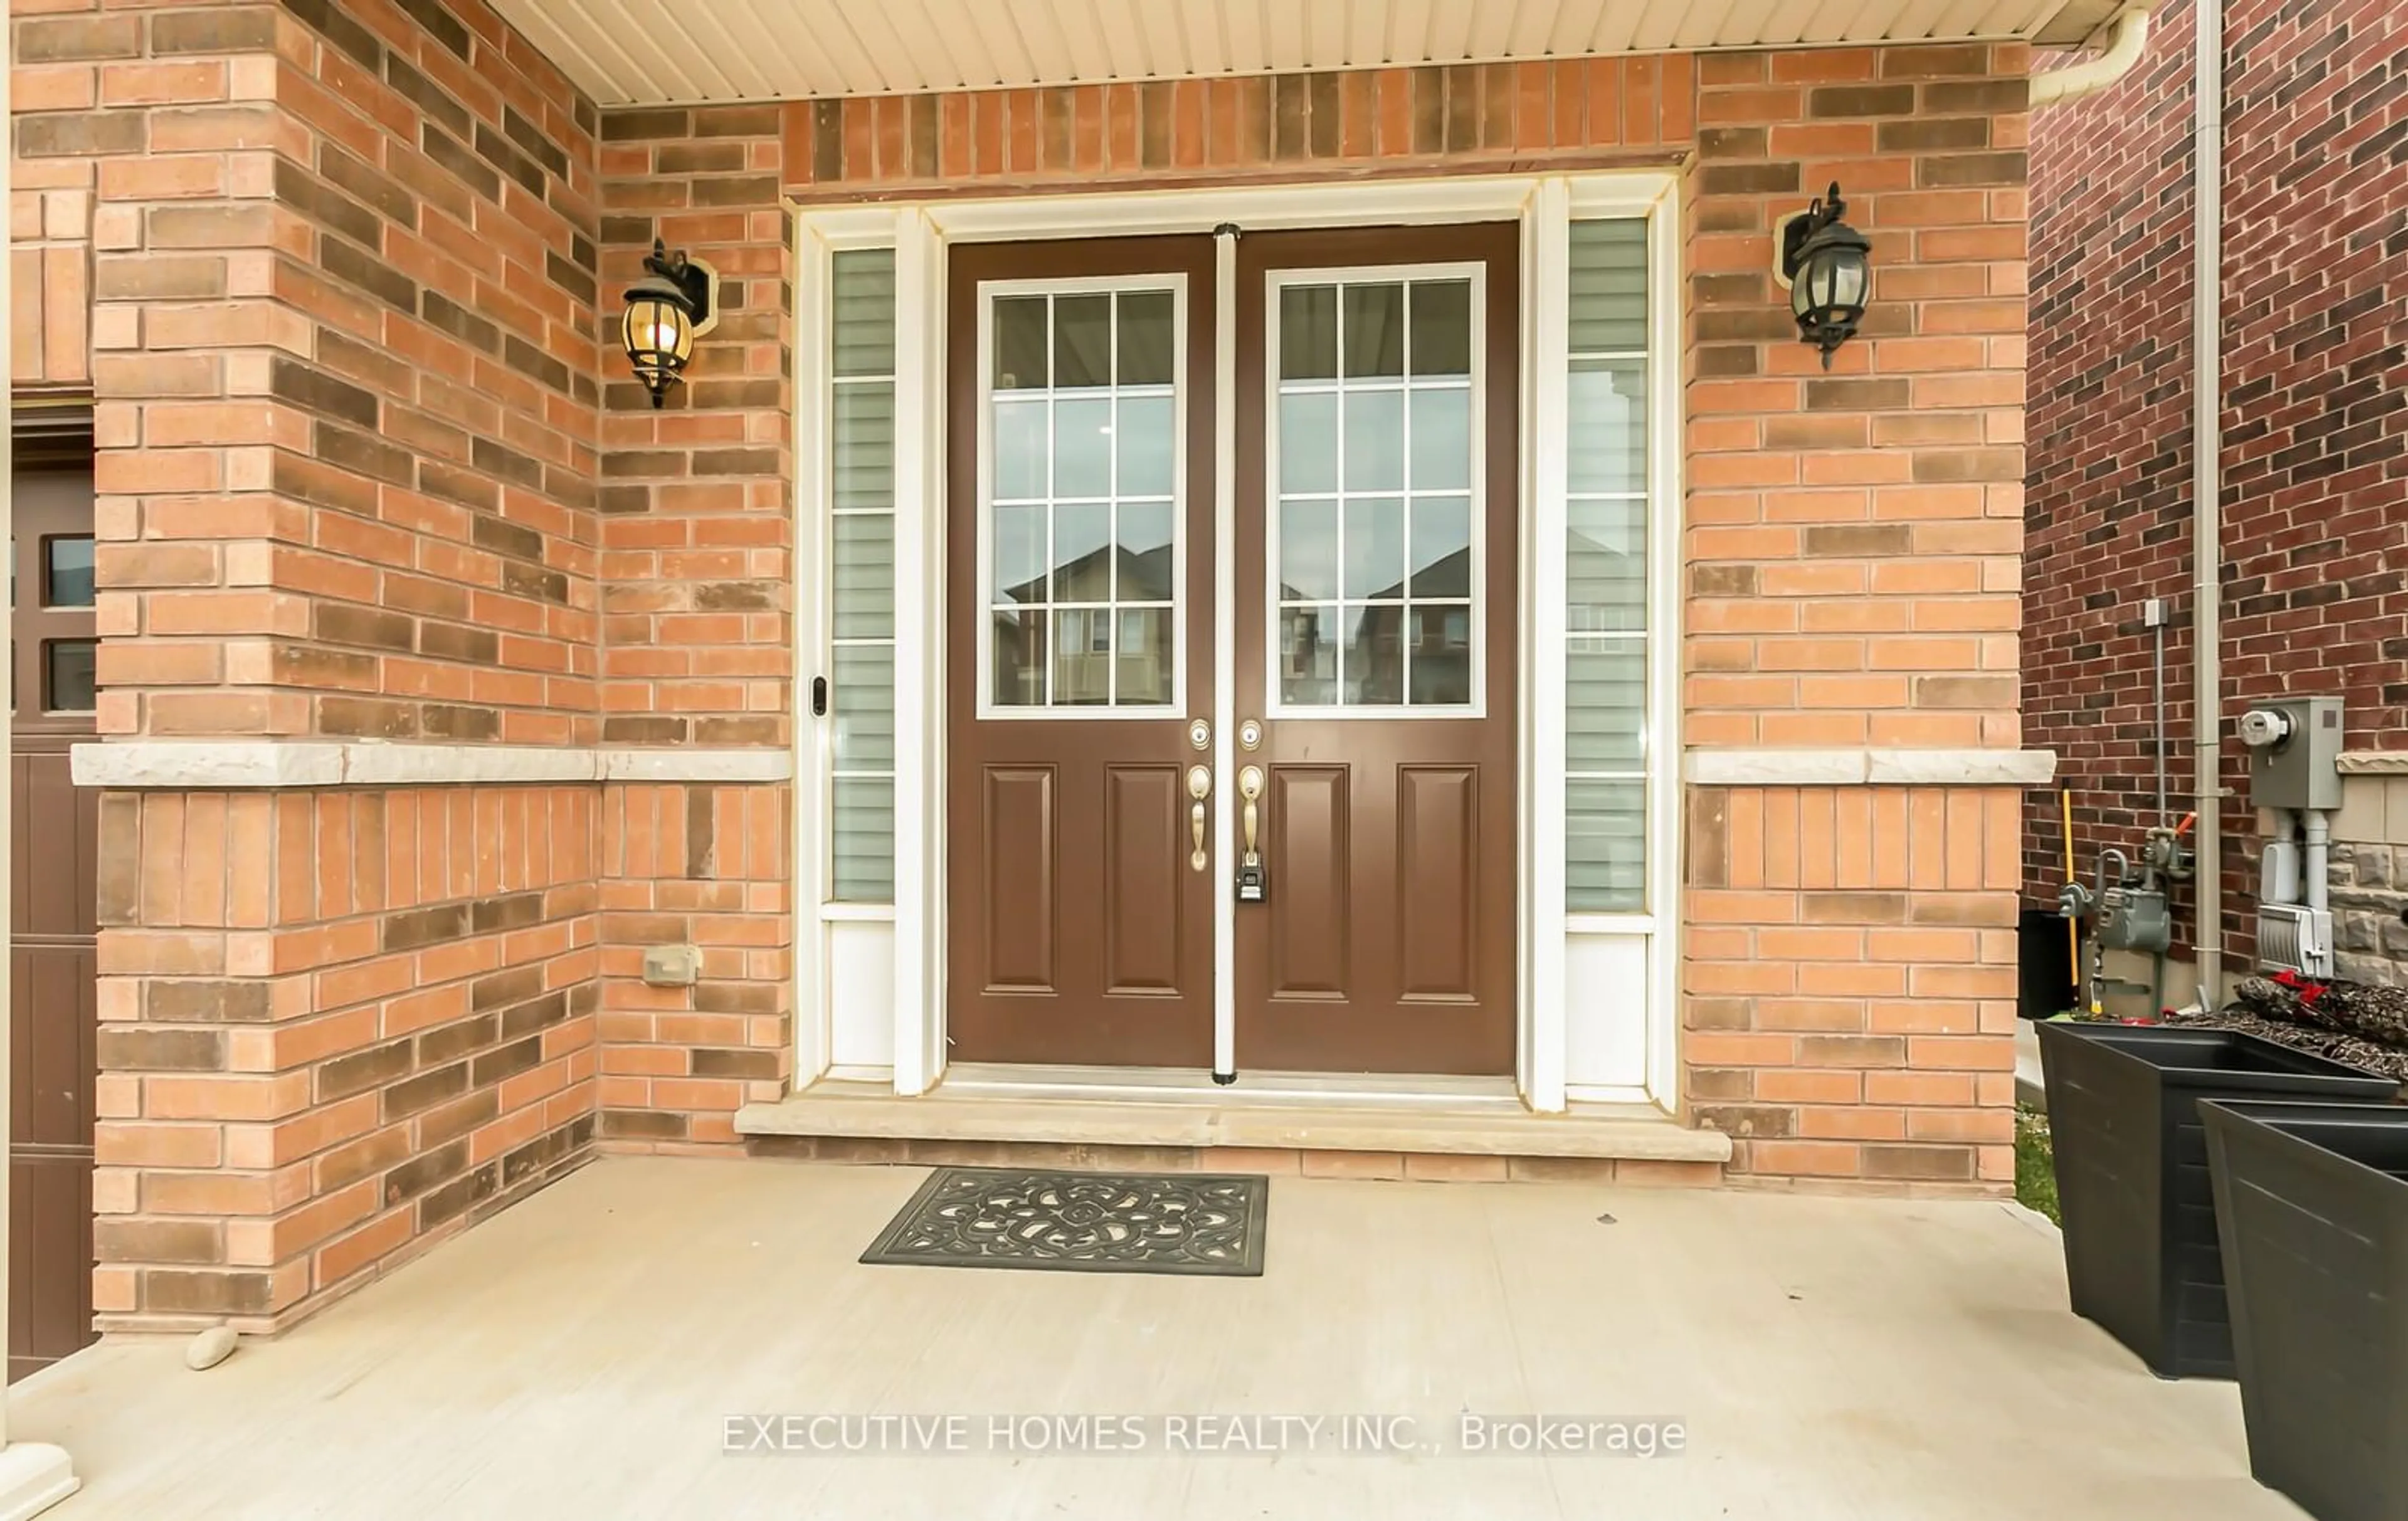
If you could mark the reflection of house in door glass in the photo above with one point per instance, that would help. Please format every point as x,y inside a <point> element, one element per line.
<point>1083,645</point>
<point>1396,652</point>
<point>1083,519</point>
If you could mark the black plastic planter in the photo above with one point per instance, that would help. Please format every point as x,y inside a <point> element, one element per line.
<point>2314,1200</point>
<point>2141,1257</point>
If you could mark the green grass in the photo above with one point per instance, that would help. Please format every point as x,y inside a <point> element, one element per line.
<point>2035,1166</point>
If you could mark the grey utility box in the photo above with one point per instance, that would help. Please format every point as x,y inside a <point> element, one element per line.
<point>2294,753</point>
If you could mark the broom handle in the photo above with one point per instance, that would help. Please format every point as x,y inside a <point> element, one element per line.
<point>2072,926</point>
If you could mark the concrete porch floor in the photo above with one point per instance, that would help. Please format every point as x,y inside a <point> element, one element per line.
<point>579,1355</point>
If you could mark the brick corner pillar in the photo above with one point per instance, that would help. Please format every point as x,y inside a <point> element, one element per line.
<point>1851,554</point>
<point>346,360</point>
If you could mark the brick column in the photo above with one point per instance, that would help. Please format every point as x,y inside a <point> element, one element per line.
<point>1851,560</point>
<point>345,358</point>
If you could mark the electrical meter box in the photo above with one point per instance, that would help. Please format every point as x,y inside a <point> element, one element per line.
<point>2294,753</point>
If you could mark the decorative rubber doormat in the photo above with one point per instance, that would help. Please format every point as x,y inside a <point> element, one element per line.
<point>1204,1224</point>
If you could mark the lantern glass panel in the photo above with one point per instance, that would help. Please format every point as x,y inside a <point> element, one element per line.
<point>1847,279</point>
<point>657,328</point>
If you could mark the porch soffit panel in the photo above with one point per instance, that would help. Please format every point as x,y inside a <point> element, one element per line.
<point>652,52</point>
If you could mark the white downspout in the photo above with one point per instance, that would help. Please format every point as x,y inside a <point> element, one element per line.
<point>2207,485</point>
<point>2128,35</point>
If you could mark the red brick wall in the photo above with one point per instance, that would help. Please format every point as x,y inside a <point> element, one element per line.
<point>2111,463</point>
<point>347,380</point>
<point>1852,573</point>
<point>698,640</point>
<point>698,532</point>
<point>345,366</point>
<point>1853,536</point>
<point>1464,117</point>
<point>335,1026</point>
<point>358,479</point>
<point>2315,454</point>
<point>1852,532</point>
<point>1851,980</point>
<point>316,503</point>
<point>710,866</point>
<point>347,388</point>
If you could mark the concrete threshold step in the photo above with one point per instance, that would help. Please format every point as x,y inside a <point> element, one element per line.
<point>1590,1130</point>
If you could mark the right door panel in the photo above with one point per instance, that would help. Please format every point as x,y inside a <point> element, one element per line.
<point>1377,436</point>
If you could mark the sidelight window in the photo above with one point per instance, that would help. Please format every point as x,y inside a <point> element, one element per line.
<point>861,554</point>
<point>1607,744</point>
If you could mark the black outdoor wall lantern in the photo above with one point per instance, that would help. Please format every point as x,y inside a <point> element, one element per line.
<point>675,303</point>
<point>1825,264</point>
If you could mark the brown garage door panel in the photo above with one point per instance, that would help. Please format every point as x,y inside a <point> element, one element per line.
<point>53,965</point>
<point>53,1026</point>
<point>50,1311</point>
<point>58,832</point>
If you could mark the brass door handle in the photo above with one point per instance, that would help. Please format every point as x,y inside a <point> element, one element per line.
<point>1250,787</point>
<point>1200,786</point>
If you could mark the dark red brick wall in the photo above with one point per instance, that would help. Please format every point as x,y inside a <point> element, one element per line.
<point>2316,293</point>
<point>2316,440</point>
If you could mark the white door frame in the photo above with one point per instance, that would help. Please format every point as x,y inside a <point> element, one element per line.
<point>920,233</point>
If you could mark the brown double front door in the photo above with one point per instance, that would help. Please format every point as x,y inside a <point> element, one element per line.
<point>1353,837</point>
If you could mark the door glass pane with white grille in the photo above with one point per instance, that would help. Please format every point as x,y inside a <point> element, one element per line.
<point>1374,429</point>
<point>1082,499</point>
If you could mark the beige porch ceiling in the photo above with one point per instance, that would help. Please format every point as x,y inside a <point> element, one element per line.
<point>639,52</point>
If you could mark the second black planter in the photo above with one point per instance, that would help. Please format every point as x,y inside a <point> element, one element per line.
<point>2142,1258</point>
<point>2313,1203</point>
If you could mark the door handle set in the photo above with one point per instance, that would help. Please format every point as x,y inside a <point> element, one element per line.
<point>1250,885</point>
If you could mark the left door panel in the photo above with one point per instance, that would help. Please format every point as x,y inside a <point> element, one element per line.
<point>1079,599</point>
